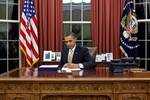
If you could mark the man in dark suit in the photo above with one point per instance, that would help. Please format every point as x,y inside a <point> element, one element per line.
<point>75,56</point>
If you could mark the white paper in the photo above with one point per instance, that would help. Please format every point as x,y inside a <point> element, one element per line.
<point>48,66</point>
<point>70,69</point>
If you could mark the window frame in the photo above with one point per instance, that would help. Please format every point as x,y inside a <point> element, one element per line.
<point>145,40</point>
<point>78,22</point>
<point>7,40</point>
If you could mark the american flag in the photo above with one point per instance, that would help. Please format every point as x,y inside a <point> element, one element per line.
<point>29,33</point>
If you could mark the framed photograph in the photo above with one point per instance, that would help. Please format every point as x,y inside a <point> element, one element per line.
<point>58,56</point>
<point>47,56</point>
<point>100,57</point>
<point>109,57</point>
<point>52,55</point>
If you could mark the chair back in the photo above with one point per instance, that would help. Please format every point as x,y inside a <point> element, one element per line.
<point>92,51</point>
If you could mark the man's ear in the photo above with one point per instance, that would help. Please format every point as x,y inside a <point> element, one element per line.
<point>75,39</point>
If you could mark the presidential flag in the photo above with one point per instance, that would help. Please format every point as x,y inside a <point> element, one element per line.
<point>129,29</point>
<point>29,33</point>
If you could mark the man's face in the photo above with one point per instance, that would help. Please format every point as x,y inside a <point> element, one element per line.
<point>70,41</point>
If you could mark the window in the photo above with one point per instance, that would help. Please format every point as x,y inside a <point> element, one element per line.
<point>9,32</point>
<point>143,15</point>
<point>76,18</point>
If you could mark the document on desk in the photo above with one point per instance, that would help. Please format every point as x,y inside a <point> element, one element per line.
<point>48,66</point>
<point>70,69</point>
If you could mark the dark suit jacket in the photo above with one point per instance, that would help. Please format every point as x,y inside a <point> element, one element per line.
<point>81,55</point>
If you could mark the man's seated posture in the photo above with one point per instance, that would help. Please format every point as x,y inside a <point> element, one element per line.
<point>75,56</point>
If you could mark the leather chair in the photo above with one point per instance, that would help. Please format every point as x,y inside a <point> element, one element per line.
<point>92,51</point>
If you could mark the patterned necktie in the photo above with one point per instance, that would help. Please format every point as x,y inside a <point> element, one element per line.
<point>70,55</point>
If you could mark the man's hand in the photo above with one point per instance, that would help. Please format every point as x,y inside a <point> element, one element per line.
<point>71,65</point>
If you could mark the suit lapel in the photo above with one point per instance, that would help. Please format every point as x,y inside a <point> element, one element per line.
<point>66,55</point>
<point>75,55</point>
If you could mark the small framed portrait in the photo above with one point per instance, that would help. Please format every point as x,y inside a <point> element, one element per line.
<point>47,56</point>
<point>100,57</point>
<point>58,56</point>
<point>109,57</point>
<point>52,55</point>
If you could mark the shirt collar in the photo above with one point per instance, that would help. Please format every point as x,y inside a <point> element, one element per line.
<point>73,48</point>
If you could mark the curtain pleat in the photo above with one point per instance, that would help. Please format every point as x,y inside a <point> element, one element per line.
<point>105,26</point>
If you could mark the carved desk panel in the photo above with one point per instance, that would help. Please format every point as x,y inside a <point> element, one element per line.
<point>66,87</point>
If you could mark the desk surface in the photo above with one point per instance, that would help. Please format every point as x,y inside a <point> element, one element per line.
<point>21,84</point>
<point>88,74</point>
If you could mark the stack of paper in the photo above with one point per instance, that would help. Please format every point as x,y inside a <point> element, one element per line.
<point>48,66</point>
<point>70,69</point>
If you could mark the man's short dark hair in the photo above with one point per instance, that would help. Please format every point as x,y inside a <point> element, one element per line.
<point>70,34</point>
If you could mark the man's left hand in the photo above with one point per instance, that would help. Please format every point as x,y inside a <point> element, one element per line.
<point>71,65</point>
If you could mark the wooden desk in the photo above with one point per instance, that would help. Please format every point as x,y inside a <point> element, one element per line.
<point>19,85</point>
<point>98,64</point>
